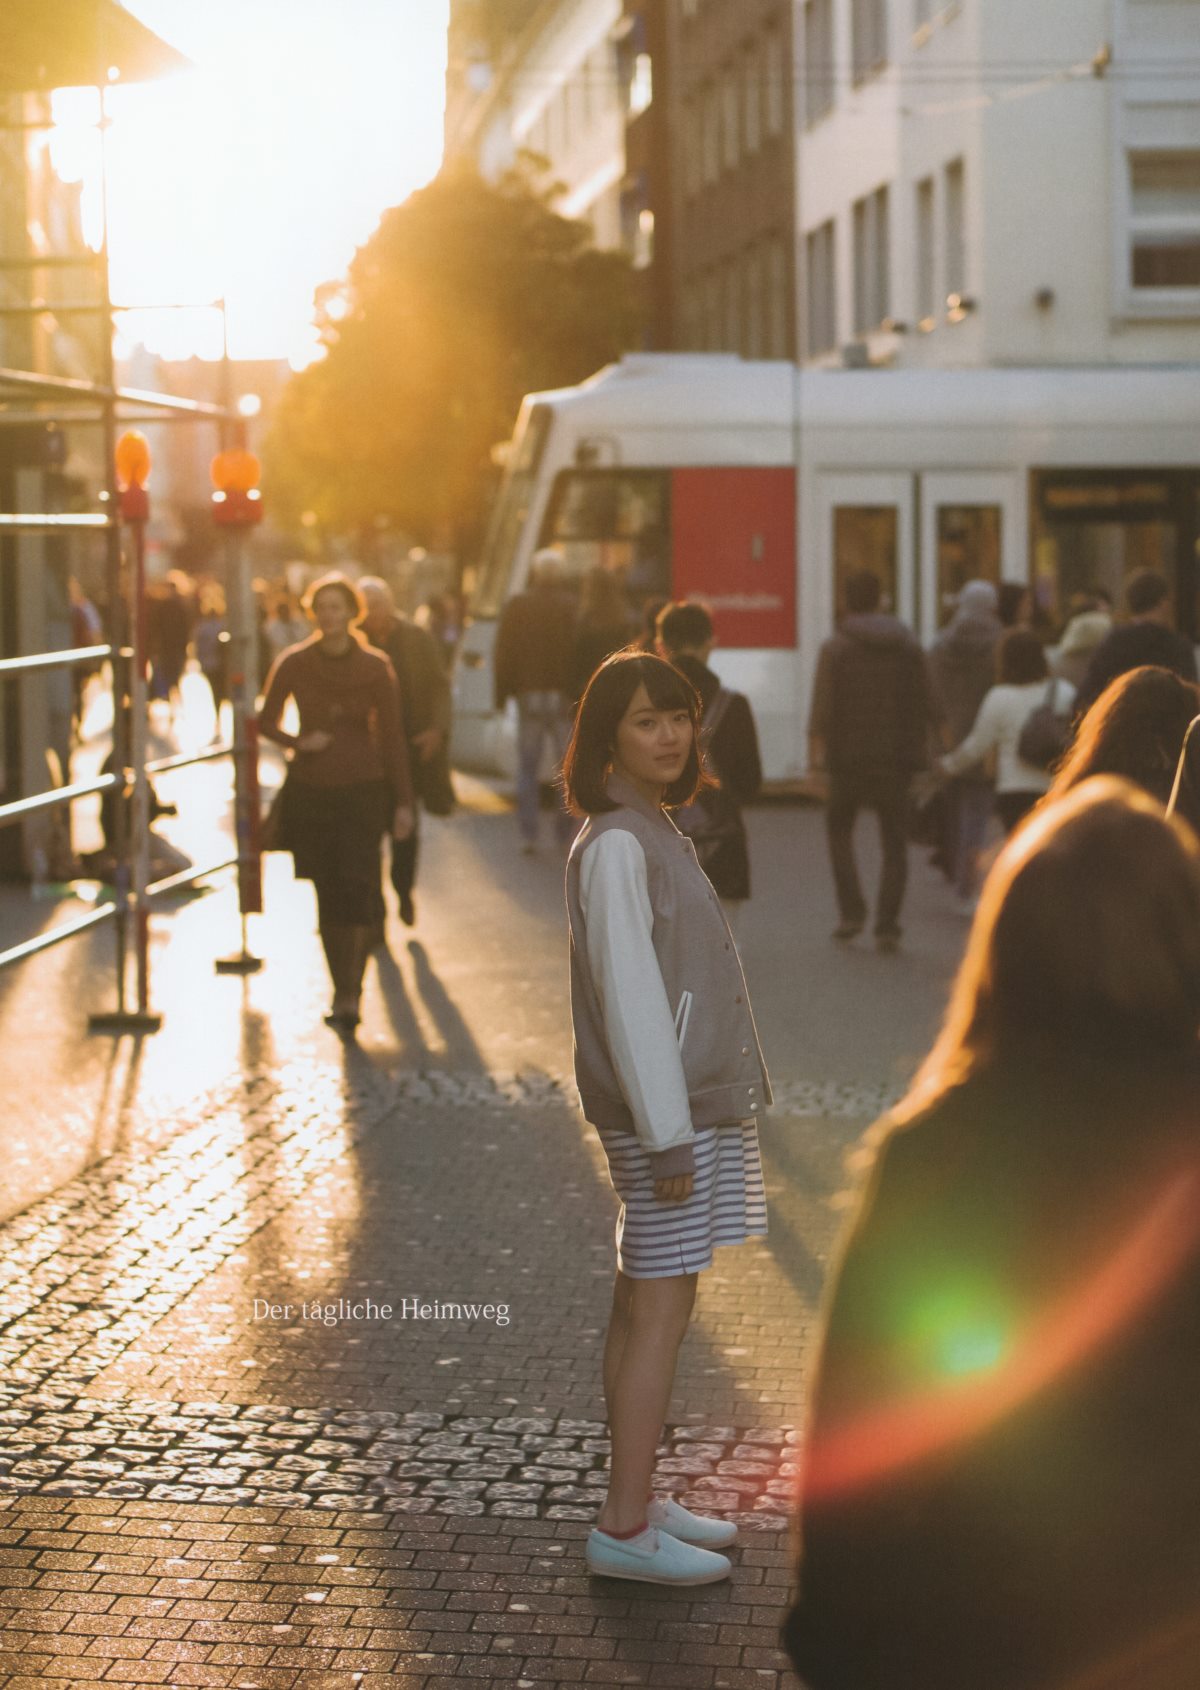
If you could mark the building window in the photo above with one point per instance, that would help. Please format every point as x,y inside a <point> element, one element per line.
<point>752,338</point>
<point>1164,224</point>
<point>926,282</point>
<point>871,262</point>
<point>775,306</point>
<point>641,85</point>
<point>730,138</point>
<point>822,290</point>
<point>693,149</point>
<point>751,100</point>
<point>732,316</point>
<point>710,106</point>
<point>774,74</point>
<point>956,229</point>
<point>868,38</point>
<point>712,312</point>
<point>818,60</point>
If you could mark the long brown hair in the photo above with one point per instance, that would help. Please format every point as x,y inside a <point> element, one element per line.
<point>1135,729</point>
<point>1087,942</point>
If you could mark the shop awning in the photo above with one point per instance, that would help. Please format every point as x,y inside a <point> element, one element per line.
<point>78,43</point>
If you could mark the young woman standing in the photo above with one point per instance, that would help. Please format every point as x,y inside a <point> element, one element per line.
<point>670,1073</point>
<point>348,779</point>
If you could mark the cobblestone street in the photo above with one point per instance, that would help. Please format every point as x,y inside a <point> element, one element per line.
<point>301,1341</point>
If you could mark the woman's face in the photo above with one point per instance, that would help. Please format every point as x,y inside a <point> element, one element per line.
<point>652,746</point>
<point>331,611</point>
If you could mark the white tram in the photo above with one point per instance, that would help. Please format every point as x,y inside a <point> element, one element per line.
<point>757,487</point>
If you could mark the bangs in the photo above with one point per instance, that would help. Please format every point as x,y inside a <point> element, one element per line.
<point>665,687</point>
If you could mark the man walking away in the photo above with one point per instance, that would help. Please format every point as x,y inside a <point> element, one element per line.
<point>532,665</point>
<point>1148,637</point>
<point>871,715</point>
<point>425,701</point>
<point>730,740</point>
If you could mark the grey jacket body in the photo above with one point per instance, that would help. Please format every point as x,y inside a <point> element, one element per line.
<point>714,1040</point>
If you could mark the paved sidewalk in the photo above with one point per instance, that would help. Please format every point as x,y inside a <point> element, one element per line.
<point>300,1381</point>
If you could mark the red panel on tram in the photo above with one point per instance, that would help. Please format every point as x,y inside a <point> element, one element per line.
<point>733,544</point>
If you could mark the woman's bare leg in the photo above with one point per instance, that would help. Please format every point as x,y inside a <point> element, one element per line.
<point>649,1319</point>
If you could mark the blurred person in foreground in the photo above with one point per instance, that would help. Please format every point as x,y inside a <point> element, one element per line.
<point>1185,793</point>
<point>533,665</point>
<point>869,730</point>
<point>347,782</point>
<point>962,667</point>
<point>1001,1481</point>
<point>425,707</point>
<point>1149,636</point>
<point>1135,729</point>
<point>605,625</point>
<point>729,744</point>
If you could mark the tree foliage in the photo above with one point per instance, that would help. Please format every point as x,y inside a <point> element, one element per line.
<point>466,297</point>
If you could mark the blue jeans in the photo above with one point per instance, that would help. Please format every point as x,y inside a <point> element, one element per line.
<point>540,716</point>
<point>972,804</point>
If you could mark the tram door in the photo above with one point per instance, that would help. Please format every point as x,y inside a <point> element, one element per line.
<point>866,523</point>
<point>973,528</point>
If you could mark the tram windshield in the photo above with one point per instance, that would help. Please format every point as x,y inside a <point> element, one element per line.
<point>511,511</point>
<point>616,520</point>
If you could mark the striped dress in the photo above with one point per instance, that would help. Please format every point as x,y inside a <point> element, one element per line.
<point>658,1239</point>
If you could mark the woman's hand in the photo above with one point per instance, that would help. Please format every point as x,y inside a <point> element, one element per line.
<point>315,740</point>
<point>677,1189</point>
<point>402,822</point>
<point>428,744</point>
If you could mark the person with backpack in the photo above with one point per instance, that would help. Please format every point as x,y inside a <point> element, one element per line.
<point>729,741</point>
<point>1025,699</point>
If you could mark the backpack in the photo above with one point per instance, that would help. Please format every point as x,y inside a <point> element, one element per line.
<point>1047,732</point>
<point>711,821</point>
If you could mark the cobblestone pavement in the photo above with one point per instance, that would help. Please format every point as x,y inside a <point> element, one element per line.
<point>300,1380</point>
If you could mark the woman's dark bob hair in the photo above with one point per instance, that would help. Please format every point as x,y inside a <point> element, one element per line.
<point>589,755</point>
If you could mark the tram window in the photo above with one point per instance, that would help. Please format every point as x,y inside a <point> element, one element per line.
<point>968,549</point>
<point>1095,529</point>
<point>615,520</point>
<point>866,537</point>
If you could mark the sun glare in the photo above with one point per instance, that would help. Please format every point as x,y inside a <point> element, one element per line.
<point>254,177</point>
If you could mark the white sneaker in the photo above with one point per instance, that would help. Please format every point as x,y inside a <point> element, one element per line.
<point>653,1557</point>
<point>670,1516</point>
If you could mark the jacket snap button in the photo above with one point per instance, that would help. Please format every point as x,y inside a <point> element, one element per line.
<point>745,1050</point>
<point>754,1108</point>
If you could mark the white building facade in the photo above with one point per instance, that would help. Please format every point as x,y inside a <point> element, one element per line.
<point>556,94</point>
<point>998,182</point>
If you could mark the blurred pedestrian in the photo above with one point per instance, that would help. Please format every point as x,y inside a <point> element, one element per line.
<point>1149,636</point>
<point>347,782</point>
<point>533,665</point>
<point>87,629</point>
<point>729,741</point>
<point>1023,684</point>
<point>284,625</point>
<point>1086,630</point>
<point>1135,729</point>
<point>1184,801</point>
<point>603,626</point>
<point>1001,1476</point>
<point>169,629</point>
<point>962,667</point>
<point>869,730</point>
<point>671,1075</point>
<point>210,641</point>
<point>652,609</point>
<point>425,708</point>
<point>1014,604</point>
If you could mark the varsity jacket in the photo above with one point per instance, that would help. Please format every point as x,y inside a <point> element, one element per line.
<point>665,1041</point>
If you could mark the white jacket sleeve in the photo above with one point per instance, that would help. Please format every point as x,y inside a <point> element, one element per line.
<point>624,968</point>
<point>984,736</point>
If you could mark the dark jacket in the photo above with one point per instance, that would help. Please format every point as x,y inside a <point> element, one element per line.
<point>533,644</point>
<point>871,701</point>
<point>424,683</point>
<point>592,643</point>
<point>732,753</point>
<point>962,668</point>
<point>1129,647</point>
<point>1002,1465</point>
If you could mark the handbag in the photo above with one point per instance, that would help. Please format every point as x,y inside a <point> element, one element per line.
<point>272,829</point>
<point>432,781</point>
<point>1047,733</point>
